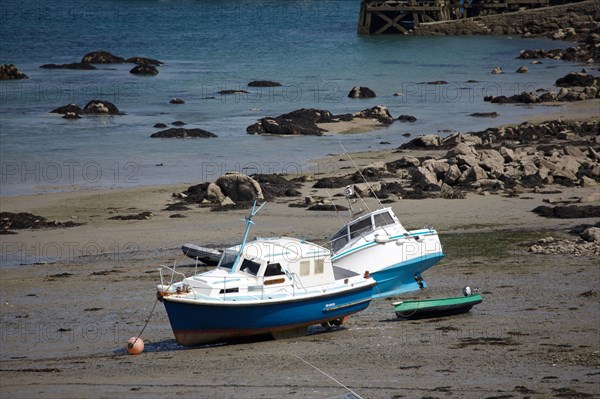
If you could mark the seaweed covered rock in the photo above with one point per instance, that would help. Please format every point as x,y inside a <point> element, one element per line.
<point>102,57</point>
<point>11,72</point>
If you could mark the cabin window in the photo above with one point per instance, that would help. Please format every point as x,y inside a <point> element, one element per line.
<point>227,260</point>
<point>304,268</point>
<point>360,227</point>
<point>339,239</point>
<point>319,266</point>
<point>250,267</point>
<point>273,269</point>
<point>383,219</point>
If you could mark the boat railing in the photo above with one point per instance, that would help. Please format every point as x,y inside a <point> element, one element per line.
<point>173,273</point>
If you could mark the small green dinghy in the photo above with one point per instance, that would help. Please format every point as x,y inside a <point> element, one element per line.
<point>425,308</point>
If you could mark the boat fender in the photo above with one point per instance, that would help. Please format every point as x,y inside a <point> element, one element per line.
<point>417,238</point>
<point>382,239</point>
<point>467,291</point>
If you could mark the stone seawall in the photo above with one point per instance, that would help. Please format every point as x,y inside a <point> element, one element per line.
<point>572,21</point>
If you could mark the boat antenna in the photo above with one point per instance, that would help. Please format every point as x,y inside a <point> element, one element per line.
<point>361,174</point>
<point>248,221</point>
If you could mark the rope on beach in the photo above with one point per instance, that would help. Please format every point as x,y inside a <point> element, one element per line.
<point>327,375</point>
<point>131,344</point>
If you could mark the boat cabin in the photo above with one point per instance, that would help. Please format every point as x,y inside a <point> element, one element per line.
<point>275,258</point>
<point>363,225</point>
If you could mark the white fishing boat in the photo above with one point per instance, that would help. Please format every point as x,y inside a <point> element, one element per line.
<point>376,243</point>
<point>277,286</point>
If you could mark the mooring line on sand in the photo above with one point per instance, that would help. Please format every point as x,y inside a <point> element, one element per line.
<point>327,375</point>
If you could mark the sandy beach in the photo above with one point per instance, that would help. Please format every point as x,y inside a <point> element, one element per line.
<point>64,322</point>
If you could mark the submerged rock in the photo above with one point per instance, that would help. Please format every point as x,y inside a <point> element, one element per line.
<point>182,133</point>
<point>73,65</point>
<point>407,118</point>
<point>144,69</point>
<point>361,92</point>
<point>68,109</point>
<point>143,60</point>
<point>101,107</point>
<point>263,83</point>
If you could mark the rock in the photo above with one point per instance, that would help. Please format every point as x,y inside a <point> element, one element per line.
<point>137,216</point>
<point>178,123</point>
<point>239,187</point>
<point>528,168</point>
<point>143,60</point>
<point>574,152</point>
<point>405,134</point>
<point>437,82</point>
<point>461,149</point>
<point>426,141</point>
<point>73,65</point>
<point>68,109</point>
<point>507,153</point>
<point>497,70</point>
<point>160,125</point>
<point>275,185</point>
<point>71,115</point>
<point>553,200</point>
<point>263,83</point>
<point>379,112</point>
<point>407,118</point>
<point>594,197</point>
<point>102,57</point>
<point>424,177</point>
<point>214,193</point>
<point>452,175</point>
<point>101,107</point>
<point>361,92</point>
<point>522,69</point>
<point>576,79</point>
<point>485,114</point>
<point>591,234</point>
<point>587,182</point>
<point>10,72</point>
<point>333,182</point>
<point>226,201</point>
<point>144,69</point>
<point>22,221</point>
<point>405,161</point>
<point>568,211</point>
<point>182,133</point>
<point>176,100</point>
<point>227,92</point>
<point>476,173</point>
<point>364,189</point>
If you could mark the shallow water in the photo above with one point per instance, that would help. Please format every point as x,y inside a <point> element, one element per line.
<point>310,47</point>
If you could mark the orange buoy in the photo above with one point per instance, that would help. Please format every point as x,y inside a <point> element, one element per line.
<point>134,345</point>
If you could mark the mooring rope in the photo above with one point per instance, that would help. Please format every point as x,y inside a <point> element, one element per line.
<point>327,375</point>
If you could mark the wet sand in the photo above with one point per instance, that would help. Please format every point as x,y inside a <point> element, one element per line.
<point>64,323</point>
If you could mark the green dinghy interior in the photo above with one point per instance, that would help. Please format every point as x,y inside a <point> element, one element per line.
<point>426,308</point>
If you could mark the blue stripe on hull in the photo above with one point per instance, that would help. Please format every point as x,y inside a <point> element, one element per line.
<point>195,324</point>
<point>400,277</point>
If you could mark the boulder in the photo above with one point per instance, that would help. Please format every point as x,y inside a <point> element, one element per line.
<point>405,161</point>
<point>424,177</point>
<point>576,79</point>
<point>461,149</point>
<point>497,70</point>
<point>143,60</point>
<point>587,182</point>
<point>71,115</point>
<point>263,83</point>
<point>591,234</point>
<point>574,152</point>
<point>101,107</point>
<point>507,153</point>
<point>300,122</point>
<point>426,141</point>
<point>407,118</point>
<point>275,185</point>
<point>144,69</point>
<point>176,100</point>
<point>522,69</point>
<point>214,193</point>
<point>361,92</point>
<point>102,57</point>
<point>10,72</point>
<point>452,175</point>
<point>364,189</point>
<point>239,187</point>
<point>182,133</point>
<point>68,109</point>
<point>379,112</point>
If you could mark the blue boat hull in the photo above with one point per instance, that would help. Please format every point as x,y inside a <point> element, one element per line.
<point>400,278</point>
<point>203,323</point>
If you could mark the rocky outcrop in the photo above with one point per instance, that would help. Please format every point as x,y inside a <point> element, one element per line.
<point>361,92</point>
<point>144,69</point>
<point>11,72</point>
<point>231,190</point>
<point>379,113</point>
<point>578,247</point>
<point>263,83</point>
<point>102,57</point>
<point>94,107</point>
<point>275,185</point>
<point>73,65</point>
<point>182,133</point>
<point>101,107</point>
<point>299,122</point>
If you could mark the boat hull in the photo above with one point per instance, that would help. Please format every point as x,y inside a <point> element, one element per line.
<point>203,323</point>
<point>396,264</point>
<point>436,307</point>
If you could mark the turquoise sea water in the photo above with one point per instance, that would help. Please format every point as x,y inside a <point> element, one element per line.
<point>310,47</point>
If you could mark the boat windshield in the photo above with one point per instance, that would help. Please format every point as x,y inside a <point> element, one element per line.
<point>360,227</point>
<point>227,260</point>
